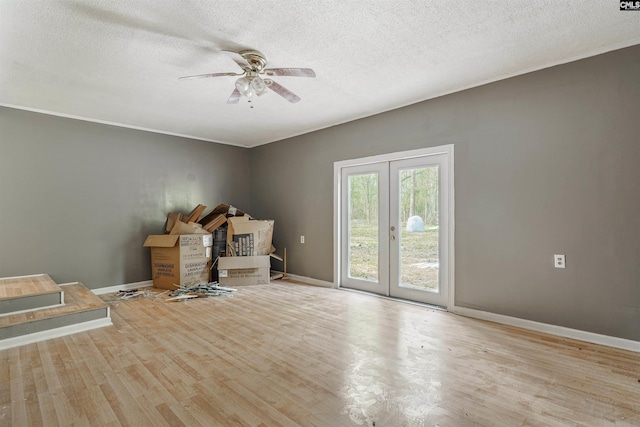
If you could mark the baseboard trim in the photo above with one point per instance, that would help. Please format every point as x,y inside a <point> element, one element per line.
<point>125,287</point>
<point>55,333</point>
<point>308,280</point>
<point>561,331</point>
<point>25,277</point>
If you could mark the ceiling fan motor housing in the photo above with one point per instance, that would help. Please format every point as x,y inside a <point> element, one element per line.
<point>256,60</point>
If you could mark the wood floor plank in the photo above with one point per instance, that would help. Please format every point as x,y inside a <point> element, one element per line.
<point>29,358</point>
<point>170,417</point>
<point>45,402</point>
<point>126,408</point>
<point>18,402</point>
<point>5,391</point>
<point>182,413</point>
<point>286,354</point>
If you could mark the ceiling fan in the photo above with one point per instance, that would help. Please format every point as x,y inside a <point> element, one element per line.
<point>251,81</point>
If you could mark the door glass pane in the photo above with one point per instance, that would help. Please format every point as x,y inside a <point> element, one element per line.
<point>363,226</point>
<point>419,214</point>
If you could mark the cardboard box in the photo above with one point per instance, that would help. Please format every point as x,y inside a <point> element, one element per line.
<point>180,259</point>
<point>244,270</point>
<point>249,237</point>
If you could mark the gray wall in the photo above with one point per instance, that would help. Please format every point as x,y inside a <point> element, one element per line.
<point>545,163</point>
<point>78,199</point>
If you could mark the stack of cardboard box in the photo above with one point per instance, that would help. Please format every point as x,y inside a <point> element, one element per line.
<point>226,238</point>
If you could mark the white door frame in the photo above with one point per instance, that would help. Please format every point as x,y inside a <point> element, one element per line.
<point>337,205</point>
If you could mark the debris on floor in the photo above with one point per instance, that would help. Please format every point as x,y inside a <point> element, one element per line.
<point>182,297</point>
<point>134,293</point>
<point>129,293</point>
<point>184,292</point>
<point>202,290</point>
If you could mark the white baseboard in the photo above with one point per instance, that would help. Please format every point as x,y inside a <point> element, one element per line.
<point>125,287</point>
<point>24,277</point>
<point>54,333</point>
<point>308,280</point>
<point>546,328</point>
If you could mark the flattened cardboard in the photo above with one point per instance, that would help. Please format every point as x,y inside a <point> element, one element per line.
<point>244,270</point>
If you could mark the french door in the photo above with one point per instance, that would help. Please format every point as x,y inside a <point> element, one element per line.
<point>394,225</point>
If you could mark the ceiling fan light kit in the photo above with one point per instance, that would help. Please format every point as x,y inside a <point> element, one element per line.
<point>258,85</point>
<point>250,82</point>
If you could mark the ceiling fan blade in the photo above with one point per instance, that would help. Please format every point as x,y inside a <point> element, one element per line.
<point>201,76</point>
<point>238,59</point>
<point>282,91</point>
<point>235,97</point>
<point>290,72</point>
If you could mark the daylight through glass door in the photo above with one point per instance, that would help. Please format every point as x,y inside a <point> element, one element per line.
<point>419,221</point>
<point>363,227</point>
<point>365,219</point>
<point>419,229</point>
<point>394,225</point>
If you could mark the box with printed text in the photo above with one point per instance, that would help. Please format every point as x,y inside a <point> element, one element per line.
<point>180,259</point>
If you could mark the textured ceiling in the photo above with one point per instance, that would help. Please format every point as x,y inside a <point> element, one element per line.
<point>118,62</point>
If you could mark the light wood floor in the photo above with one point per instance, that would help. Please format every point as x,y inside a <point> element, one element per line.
<point>286,354</point>
<point>13,287</point>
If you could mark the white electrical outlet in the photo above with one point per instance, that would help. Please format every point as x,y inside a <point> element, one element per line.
<point>558,261</point>
<point>301,239</point>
